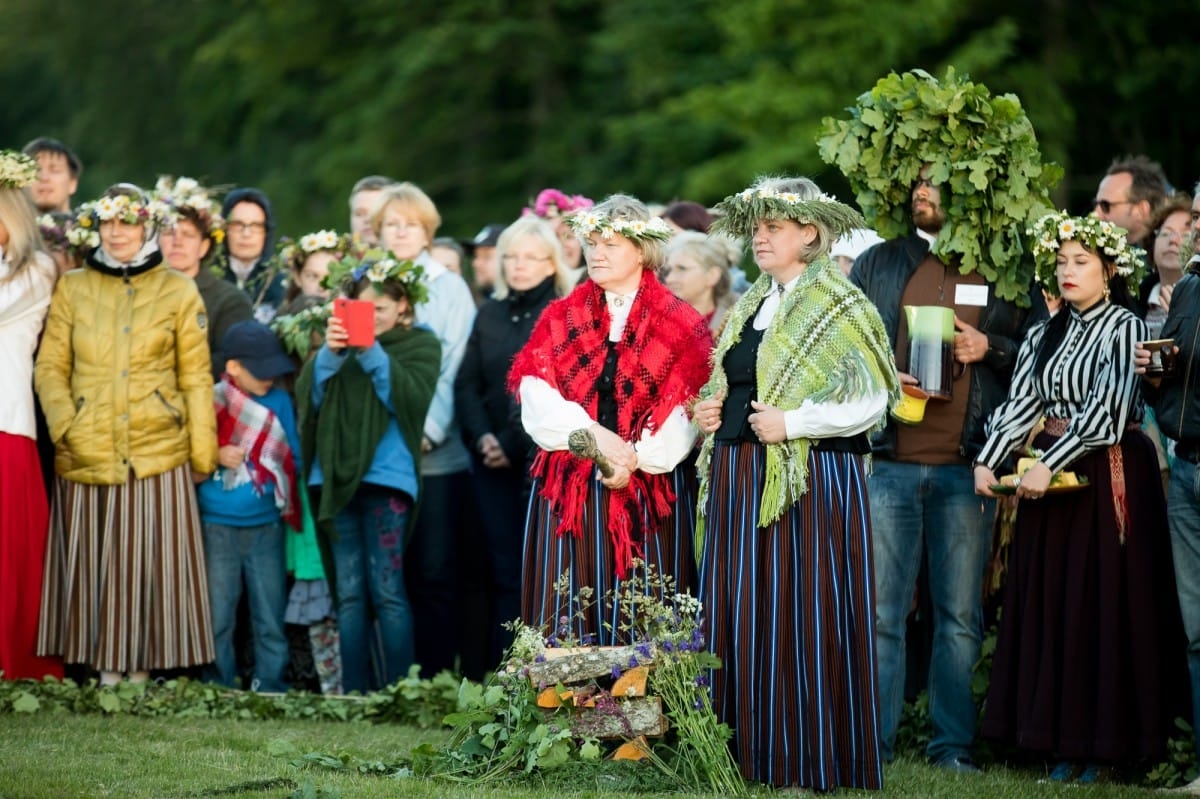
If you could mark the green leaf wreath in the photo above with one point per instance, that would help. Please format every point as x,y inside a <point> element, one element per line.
<point>981,147</point>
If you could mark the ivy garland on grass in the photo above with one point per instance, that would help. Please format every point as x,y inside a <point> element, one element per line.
<point>981,147</point>
<point>412,701</point>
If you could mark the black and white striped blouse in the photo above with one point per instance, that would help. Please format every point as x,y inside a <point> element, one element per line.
<point>1089,380</point>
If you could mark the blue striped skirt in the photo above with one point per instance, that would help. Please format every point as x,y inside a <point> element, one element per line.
<point>791,615</point>
<point>557,566</point>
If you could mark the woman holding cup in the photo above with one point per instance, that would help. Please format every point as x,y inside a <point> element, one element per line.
<point>1086,667</point>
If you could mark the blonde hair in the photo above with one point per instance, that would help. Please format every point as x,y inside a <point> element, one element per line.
<point>24,238</point>
<point>622,206</point>
<point>712,251</point>
<point>413,202</point>
<point>532,226</point>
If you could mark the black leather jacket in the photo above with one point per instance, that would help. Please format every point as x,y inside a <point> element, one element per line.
<point>884,270</point>
<point>1176,401</point>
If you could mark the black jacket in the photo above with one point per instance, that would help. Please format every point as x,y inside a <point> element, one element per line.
<point>1176,401</point>
<point>481,400</point>
<point>883,271</point>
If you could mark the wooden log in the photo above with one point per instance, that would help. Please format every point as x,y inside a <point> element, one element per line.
<point>551,698</point>
<point>570,664</point>
<point>636,749</point>
<point>632,682</point>
<point>629,718</point>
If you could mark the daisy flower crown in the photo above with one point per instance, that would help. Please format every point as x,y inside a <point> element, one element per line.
<point>738,213</point>
<point>294,252</point>
<point>378,267</point>
<point>17,170</point>
<point>586,222</point>
<point>1048,234</point>
<point>179,194</point>
<point>85,235</point>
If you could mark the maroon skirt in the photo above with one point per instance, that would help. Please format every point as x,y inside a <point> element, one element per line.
<point>1090,660</point>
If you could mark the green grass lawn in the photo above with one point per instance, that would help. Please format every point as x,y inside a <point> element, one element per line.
<point>59,755</point>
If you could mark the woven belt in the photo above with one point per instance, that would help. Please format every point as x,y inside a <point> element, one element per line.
<point>1057,427</point>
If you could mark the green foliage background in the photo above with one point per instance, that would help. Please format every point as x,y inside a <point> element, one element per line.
<point>483,102</point>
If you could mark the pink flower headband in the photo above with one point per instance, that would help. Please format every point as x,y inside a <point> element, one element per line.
<point>551,203</point>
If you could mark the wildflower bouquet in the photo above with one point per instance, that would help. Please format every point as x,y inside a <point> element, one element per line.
<point>557,700</point>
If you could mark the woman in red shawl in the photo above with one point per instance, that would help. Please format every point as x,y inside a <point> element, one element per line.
<point>621,357</point>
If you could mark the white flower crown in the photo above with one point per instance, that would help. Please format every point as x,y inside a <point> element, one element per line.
<point>1097,235</point>
<point>180,193</point>
<point>321,240</point>
<point>586,222</point>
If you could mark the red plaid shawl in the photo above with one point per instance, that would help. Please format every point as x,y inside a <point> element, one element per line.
<point>252,426</point>
<point>662,361</point>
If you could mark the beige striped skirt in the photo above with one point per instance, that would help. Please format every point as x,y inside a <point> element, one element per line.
<point>125,587</point>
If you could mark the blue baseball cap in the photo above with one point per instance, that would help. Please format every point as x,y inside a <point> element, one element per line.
<point>256,347</point>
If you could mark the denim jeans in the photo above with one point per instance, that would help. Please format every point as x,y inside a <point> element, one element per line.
<point>1183,502</point>
<point>933,511</point>
<point>259,555</point>
<point>368,557</point>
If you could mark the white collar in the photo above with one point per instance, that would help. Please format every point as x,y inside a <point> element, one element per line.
<point>788,286</point>
<point>616,300</point>
<point>929,237</point>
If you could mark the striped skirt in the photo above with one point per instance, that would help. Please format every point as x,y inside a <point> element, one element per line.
<point>791,615</point>
<point>125,586</point>
<point>557,566</point>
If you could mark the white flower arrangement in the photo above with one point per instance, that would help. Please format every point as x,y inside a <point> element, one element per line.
<point>172,195</point>
<point>321,240</point>
<point>585,223</point>
<point>83,238</point>
<point>1095,234</point>
<point>17,170</point>
<point>122,208</point>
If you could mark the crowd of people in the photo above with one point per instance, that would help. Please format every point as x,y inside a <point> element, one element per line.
<point>205,468</point>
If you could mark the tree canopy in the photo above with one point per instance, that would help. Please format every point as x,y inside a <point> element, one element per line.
<point>484,102</point>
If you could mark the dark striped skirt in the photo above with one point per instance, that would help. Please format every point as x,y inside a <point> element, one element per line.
<point>791,615</point>
<point>557,566</point>
<point>125,586</point>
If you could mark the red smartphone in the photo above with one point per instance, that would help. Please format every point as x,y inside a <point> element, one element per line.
<point>358,317</point>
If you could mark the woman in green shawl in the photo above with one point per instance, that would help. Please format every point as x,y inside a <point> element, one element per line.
<point>802,372</point>
<point>361,414</point>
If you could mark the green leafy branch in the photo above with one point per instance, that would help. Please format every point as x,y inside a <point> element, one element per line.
<point>981,151</point>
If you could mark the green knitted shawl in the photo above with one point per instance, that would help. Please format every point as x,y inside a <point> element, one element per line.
<point>826,344</point>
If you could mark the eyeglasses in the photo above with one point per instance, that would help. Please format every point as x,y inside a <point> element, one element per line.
<point>247,227</point>
<point>1165,234</point>
<point>401,225</point>
<point>1107,205</point>
<point>528,259</point>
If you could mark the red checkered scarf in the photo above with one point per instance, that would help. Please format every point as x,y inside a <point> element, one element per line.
<point>662,361</point>
<point>252,426</point>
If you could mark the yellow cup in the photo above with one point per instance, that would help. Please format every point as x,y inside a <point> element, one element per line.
<point>911,407</point>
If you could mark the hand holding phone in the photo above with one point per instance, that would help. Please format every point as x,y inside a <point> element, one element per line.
<point>357,318</point>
